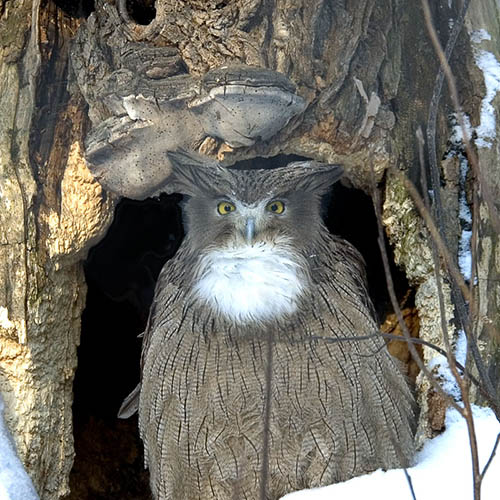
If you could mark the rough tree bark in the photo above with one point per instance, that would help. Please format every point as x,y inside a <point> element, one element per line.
<point>366,70</point>
<point>51,210</point>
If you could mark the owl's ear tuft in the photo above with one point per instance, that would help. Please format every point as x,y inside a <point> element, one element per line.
<point>313,176</point>
<point>192,174</point>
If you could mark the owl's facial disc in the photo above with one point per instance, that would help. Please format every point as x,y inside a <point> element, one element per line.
<point>254,272</point>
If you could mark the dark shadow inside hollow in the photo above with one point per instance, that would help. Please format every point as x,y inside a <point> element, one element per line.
<point>76,8</point>
<point>141,11</point>
<point>121,272</point>
<point>350,215</point>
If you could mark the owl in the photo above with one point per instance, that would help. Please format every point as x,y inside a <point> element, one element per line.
<point>260,306</point>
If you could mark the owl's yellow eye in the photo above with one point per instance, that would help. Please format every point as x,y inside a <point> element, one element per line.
<point>225,207</point>
<point>276,207</point>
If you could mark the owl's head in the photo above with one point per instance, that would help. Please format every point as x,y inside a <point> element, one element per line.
<point>229,207</point>
<point>251,234</point>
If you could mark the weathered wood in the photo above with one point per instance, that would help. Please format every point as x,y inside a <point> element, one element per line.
<point>51,210</point>
<point>336,54</point>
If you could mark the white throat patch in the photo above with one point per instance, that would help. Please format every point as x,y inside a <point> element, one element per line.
<point>251,282</point>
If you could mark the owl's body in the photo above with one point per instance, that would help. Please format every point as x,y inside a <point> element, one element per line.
<point>245,276</point>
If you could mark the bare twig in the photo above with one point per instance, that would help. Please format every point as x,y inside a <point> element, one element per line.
<point>437,268</point>
<point>434,104</point>
<point>456,276</point>
<point>459,301</point>
<point>471,155</point>
<point>264,473</point>
<point>410,484</point>
<point>492,456</point>
<point>473,304</point>
<point>463,315</point>
<point>413,340</point>
<point>435,235</point>
<point>464,388</point>
<point>476,475</point>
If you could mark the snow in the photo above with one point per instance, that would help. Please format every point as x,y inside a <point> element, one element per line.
<point>4,319</point>
<point>442,470</point>
<point>490,67</point>
<point>439,366</point>
<point>479,35</point>
<point>15,484</point>
<point>465,257</point>
<point>456,138</point>
<point>465,216</point>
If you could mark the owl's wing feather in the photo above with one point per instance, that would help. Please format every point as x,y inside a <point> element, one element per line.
<point>130,404</point>
<point>387,405</point>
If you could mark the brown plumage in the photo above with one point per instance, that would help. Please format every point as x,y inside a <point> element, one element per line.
<point>339,407</point>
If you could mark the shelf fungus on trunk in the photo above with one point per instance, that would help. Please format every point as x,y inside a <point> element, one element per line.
<point>143,103</point>
<point>242,104</point>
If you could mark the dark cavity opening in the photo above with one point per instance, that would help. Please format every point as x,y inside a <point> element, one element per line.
<point>78,8</point>
<point>141,11</point>
<point>351,216</point>
<point>121,272</point>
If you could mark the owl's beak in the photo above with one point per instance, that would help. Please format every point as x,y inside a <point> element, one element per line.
<point>250,229</point>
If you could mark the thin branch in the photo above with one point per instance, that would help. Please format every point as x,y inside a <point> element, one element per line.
<point>462,384</point>
<point>435,235</point>
<point>495,219</point>
<point>264,475</point>
<point>410,484</point>
<point>434,104</point>
<point>455,274</point>
<point>413,340</point>
<point>459,302</point>
<point>437,268</point>
<point>476,475</point>
<point>492,456</point>
<point>473,304</point>
<point>445,68</point>
<point>464,389</point>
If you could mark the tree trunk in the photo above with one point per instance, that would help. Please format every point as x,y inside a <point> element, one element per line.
<point>366,71</point>
<point>51,211</point>
<point>487,17</point>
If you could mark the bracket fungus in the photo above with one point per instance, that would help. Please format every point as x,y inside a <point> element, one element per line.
<point>142,104</point>
<point>243,104</point>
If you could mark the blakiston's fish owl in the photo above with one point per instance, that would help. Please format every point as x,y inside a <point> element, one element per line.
<point>258,262</point>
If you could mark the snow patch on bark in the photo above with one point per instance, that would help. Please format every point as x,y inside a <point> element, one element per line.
<point>489,65</point>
